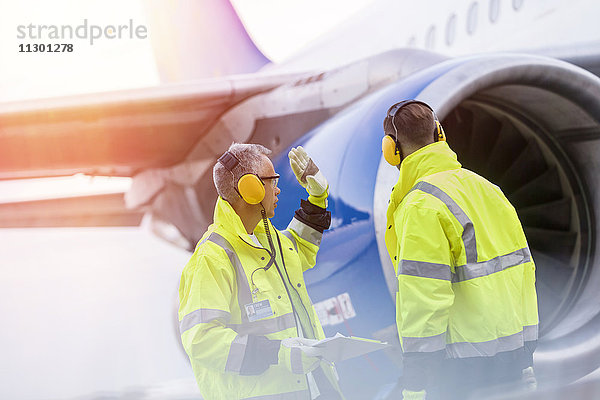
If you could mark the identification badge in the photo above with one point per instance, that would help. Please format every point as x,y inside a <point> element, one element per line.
<point>258,310</point>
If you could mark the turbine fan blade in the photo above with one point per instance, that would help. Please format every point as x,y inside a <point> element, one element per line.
<point>555,243</point>
<point>526,167</point>
<point>545,187</point>
<point>554,215</point>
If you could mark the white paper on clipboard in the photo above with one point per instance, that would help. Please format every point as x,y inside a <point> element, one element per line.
<point>340,347</point>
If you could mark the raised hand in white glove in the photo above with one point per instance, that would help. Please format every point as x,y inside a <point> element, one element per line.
<point>309,176</point>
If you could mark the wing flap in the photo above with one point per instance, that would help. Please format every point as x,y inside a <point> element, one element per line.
<point>97,210</point>
<point>119,133</point>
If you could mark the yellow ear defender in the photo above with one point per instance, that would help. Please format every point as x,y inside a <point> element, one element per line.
<point>390,151</point>
<point>250,188</point>
<point>389,144</point>
<point>440,136</point>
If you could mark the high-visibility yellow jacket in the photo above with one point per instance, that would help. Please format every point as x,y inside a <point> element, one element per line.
<point>466,278</point>
<point>225,339</point>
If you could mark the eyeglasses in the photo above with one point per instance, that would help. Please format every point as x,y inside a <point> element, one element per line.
<point>274,179</point>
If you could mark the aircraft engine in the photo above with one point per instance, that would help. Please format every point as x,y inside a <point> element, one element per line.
<point>529,124</point>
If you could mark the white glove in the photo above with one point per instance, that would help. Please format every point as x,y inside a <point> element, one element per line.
<point>410,395</point>
<point>305,345</point>
<point>297,361</point>
<point>309,176</point>
<point>528,378</point>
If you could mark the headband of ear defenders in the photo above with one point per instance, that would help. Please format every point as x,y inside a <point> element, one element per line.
<point>438,131</point>
<point>250,188</point>
<point>389,144</point>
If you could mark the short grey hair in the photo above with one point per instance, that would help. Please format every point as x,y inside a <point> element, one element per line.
<point>250,157</point>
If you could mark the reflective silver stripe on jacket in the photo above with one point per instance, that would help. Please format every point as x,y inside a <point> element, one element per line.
<point>496,264</point>
<point>468,235</point>
<point>424,344</point>
<point>530,333</point>
<point>244,295</point>
<point>425,269</point>
<point>236,353</point>
<point>265,326</point>
<point>466,349</point>
<point>289,235</point>
<point>492,347</point>
<point>260,327</point>
<point>202,316</point>
<point>296,360</point>
<point>463,273</point>
<point>299,395</point>
<point>307,233</point>
<point>472,269</point>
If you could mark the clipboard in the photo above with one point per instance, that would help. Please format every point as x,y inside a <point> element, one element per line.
<point>340,347</point>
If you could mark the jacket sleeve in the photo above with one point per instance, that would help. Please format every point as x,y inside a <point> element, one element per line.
<point>206,292</point>
<point>306,231</point>
<point>425,295</point>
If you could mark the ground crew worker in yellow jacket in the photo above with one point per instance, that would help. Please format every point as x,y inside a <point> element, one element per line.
<point>242,295</point>
<point>466,303</point>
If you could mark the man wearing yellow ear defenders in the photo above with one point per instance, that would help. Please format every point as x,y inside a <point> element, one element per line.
<point>244,309</point>
<point>466,302</point>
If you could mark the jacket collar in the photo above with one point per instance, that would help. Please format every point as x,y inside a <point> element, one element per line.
<point>226,217</point>
<point>428,160</point>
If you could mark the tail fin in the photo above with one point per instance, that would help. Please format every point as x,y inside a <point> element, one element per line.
<point>195,39</point>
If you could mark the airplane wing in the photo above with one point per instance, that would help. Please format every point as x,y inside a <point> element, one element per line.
<point>119,133</point>
<point>97,210</point>
<point>167,138</point>
<point>109,134</point>
<point>130,132</point>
